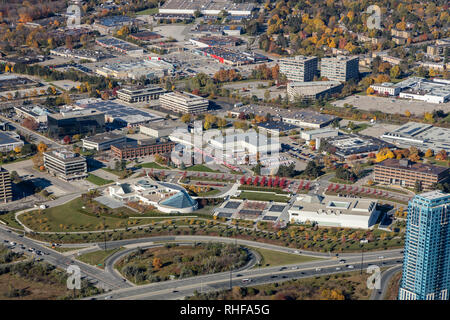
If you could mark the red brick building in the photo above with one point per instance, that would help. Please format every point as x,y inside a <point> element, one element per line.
<point>141,148</point>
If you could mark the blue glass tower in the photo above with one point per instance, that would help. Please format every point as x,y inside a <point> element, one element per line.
<point>426,264</point>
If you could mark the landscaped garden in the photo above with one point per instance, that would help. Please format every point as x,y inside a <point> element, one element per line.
<point>173,261</point>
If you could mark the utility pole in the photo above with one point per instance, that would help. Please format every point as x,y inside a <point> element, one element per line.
<point>362,257</point>
<point>230,279</point>
<point>104,230</point>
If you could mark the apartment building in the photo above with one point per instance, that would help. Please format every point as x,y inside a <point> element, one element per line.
<point>299,68</point>
<point>5,186</point>
<point>426,262</point>
<point>65,164</point>
<point>405,173</point>
<point>340,68</point>
<point>184,102</point>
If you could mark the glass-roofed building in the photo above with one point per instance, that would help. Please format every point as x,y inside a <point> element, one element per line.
<point>166,197</point>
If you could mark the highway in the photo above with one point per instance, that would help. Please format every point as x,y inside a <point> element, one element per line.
<point>97,276</point>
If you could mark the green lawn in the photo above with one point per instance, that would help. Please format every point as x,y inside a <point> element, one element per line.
<point>97,180</point>
<point>201,168</point>
<point>10,220</point>
<point>337,180</point>
<point>260,196</point>
<point>272,258</point>
<point>209,193</point>
<point>71,217</point>
<point>147,11</point>
<point>97,258</point>
<point>152,165</point>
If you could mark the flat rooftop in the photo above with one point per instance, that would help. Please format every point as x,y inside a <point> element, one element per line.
<point>5,138</point>
<point>349,144</point>
<point>413,166</point>
<point>75,114</point>
<point>303,115</point>
<point>207,5</point>
<point>104,137</point>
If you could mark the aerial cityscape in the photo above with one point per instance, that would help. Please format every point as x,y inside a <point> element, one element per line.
<point>216,150</point>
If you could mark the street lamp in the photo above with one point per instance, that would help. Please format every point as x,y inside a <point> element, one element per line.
<point>362,256</point>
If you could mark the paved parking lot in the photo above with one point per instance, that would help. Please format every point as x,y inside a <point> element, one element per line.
<point>391,104</point>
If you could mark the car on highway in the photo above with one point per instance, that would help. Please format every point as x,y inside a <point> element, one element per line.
<point>318,269</point>
<point>239,275</point>
<point>283,268</point>
<point>294,268</point>
<point>342,261</point>
<point>338,268</point>
<point>12,243</point>
<point>350,267</point>
<point>381,257</point>
<point>246,280</point>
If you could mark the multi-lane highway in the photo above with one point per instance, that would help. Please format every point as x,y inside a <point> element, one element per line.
<point>119,288</point>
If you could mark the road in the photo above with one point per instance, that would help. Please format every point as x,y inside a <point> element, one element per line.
<point>178,289</point>
<point>99,277</point>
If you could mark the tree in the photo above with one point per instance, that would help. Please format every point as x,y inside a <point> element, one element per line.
<point>157,264</point>
<point>42,147</point>
<point>370,91</point>
<point>312,170</point>
<point>418,186</point>
<point>429,153</point>
<point>186,118</point>
<point>395,72</point>
<point>66,139</point>
<point>407,113</point>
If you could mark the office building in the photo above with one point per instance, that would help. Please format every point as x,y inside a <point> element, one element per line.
<point>340,68</point>
<point>426,262</point>
<point>65,164</point>
<point>83,122</point>
<point>405,173</point>
<point>142,148</point>
<point>160,129</point>
<point>5,186</point>
<point>144,94</point>
<point>103,141</point>
<point>333,211</point>
<point>9,141</point>
<point>347,145</point>
<point>299,68</point>
<point>183,102</point>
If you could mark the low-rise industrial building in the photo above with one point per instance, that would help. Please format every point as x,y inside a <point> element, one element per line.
<point>142,94</point>
<point>405,173</point>
<point>299,118</point>
<point>333,211</point>
<point>207,7</point>
<point>184,103</point>
<point>230,56</point>
<point>65,164</point>
<point>309,135</point>
<point>142,148</point>
<point>276,128</point>
<point>5,186</point>
<point>313,90</point>
<point>351,144</point>
<point>120,46</point>
<point>149,69</point>
<point>103,141</point>
<point>420,135</point>
<point>36,113</point>
<point>10,140</point>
